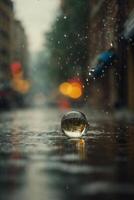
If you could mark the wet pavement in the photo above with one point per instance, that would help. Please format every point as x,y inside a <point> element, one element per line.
<point>37,162</point>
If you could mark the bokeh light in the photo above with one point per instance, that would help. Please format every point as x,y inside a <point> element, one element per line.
<point>72,90</point>
<point>16,68</point>
<point>18,82</point>
<point>65,88</point>
<point>76,90</point>
<point>20,85</point>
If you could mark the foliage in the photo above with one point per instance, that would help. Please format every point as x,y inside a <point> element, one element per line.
<point>67,41</point>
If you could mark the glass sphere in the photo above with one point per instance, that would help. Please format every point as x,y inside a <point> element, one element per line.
<point>74,124</point>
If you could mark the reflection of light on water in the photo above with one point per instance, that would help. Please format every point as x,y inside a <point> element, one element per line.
<point>76,133</point>
<point>80,146</point>
<point>35,149</point>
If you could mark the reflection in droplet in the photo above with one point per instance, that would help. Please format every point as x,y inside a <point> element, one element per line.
<point>74,124</point>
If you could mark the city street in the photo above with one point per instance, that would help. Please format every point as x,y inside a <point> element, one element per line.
<point>58,56</point>
<point>38,162</point>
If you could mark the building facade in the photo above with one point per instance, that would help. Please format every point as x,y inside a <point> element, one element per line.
<point>6,18</point>
<point>107,25</point>
<point>129,36</point>
<point>13,50</point>
<point>19,45</point>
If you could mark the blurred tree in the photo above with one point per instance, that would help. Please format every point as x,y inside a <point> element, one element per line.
<point>67,41</point>
<point>40,72</point>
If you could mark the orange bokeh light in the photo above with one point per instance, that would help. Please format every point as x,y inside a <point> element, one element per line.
<point>65,88</point>
<point>72,90</point>
<point>21,85</point>
<point>76,91</point>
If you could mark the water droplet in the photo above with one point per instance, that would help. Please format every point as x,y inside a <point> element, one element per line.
<point>111,44</point>
<point>74,124</point>
<point>65,17</point>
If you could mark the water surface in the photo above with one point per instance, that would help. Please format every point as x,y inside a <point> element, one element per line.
<point>37,162</point>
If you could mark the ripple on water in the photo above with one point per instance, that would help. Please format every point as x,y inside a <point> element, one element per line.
<point>102,187</point>
<point>74,168</point>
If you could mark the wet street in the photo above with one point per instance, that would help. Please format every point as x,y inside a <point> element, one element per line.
<point>38,162</point>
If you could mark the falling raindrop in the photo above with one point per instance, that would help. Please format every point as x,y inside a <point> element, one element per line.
<point>111,44</point>
<point>65,17</point>
<point>74,124</point>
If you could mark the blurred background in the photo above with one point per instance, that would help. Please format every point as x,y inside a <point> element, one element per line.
<point>60,55</point>
<point>67,53</point>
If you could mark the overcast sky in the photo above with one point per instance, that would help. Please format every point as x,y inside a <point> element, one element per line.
<point>37,17</point>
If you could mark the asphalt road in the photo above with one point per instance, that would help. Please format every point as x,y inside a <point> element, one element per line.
<point>37,162</point>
